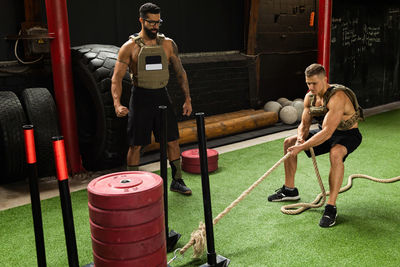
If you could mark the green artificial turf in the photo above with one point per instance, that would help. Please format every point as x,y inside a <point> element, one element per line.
<point>256,233</point>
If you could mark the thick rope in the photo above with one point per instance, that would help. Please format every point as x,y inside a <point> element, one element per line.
<point>291,209</point>
<point>197,240</point>
<point>198,237</point>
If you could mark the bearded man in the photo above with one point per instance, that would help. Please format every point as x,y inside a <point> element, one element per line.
<point>147,55</point>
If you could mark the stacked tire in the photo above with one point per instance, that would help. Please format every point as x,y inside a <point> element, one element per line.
<point>12,118</point>
<point>41,112</point>
<point>35,106</point>
<point>102,135</point>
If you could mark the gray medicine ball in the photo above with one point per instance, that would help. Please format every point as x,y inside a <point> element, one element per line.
<point>288,115</point>
<point>272,106</point>
<point>299,106</point>
<point>287,103</point>
<point>282,100</point>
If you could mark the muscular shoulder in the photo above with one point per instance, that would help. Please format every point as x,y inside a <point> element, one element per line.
<point>127,49</point>
<point>168,43</point>
<point>338,99</point>
<point>128,46</point>
<point>171,49</point>
<point>338,95</point>
<point>168,40</point>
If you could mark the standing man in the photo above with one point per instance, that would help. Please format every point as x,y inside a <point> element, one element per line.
<point>147,55</point>
<point>336,109</point>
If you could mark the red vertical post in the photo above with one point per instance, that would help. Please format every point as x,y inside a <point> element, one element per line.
<point>65,198</point>
<point>324,33</point>
<point>35,194</point>
<point>57,20</point>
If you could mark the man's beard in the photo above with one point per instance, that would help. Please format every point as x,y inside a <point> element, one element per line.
<point>150,34</point>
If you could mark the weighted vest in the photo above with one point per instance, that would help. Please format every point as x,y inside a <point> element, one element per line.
<point>322,110</point>
<point>152,64</point>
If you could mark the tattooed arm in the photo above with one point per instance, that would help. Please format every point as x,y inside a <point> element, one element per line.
<point>182,79</point>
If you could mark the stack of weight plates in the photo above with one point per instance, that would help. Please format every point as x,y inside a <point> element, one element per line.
<point>191,160</point>
<point>127,220</point>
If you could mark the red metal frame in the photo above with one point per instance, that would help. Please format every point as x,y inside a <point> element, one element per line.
<point>324,33</point>
<point>57,20</point>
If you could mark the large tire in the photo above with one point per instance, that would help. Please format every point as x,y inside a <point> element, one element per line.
<point>102,135</point>
<point>42,114</point>
<point>12,150</point>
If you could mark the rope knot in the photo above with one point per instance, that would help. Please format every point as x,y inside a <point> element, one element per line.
<point>197,240</point>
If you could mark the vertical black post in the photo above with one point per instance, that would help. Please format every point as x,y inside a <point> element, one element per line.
<point>163,163</point>
<point>65,198</point>
<point>172,237</point>
<point>212,258</point>
<point>205,183</point>
<point>35,195</point>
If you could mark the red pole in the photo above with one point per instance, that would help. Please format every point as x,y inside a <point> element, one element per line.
<point>57,20</point>
<point>324,33</point>
<point>65,198</point>
<point>35,194</point>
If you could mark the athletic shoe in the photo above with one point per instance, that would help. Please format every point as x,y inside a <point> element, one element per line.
<point>329,217</point>
<point>180,187</point>
<point>283,194</point>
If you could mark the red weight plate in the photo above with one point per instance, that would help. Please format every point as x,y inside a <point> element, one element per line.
<point>192,168</point>
<point>127,251</point>
<point>126,218</point>
<point>125,190</point>
<point>127,234</point>
<point>192,156</point>
<point>157,259</point>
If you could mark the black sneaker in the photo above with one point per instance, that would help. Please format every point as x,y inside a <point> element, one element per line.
<point>180,187</point>
<point>282,194</point>
<point>329,217</point>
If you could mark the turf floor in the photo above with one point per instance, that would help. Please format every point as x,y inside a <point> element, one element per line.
<point>256,233</point>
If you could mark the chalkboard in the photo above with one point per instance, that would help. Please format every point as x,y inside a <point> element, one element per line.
<point>365,52</point>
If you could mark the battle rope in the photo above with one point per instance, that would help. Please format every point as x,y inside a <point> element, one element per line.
<point>290,209</point>
<point>198,237</point>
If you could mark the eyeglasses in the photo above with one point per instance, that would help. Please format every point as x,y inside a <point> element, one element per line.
<point>154,22</point>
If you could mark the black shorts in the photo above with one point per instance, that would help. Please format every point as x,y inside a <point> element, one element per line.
<point>350,139</point>
<point>144,116</point>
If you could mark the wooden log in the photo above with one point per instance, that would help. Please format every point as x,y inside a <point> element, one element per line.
<point>219,117</point>
<point>222,127</point>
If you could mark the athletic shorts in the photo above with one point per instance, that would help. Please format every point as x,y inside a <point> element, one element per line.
<point>144,116</point>
<point>350,139</point>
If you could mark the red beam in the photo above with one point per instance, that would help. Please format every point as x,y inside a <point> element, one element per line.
<point>57,20</point>
<point>324,33</point>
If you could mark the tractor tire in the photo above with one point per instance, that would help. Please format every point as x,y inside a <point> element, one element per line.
<point>102,135</point>
<point>41,112</point>
<point>12,149</point>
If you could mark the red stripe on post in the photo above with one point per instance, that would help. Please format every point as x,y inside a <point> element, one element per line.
<point>312,15</point>
<point>29,144</point>
<point>60,159</point>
